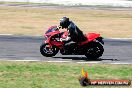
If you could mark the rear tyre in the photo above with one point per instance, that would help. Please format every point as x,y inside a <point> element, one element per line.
<point>48,51</point>
<point>94,51</point>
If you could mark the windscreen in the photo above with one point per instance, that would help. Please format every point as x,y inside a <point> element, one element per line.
<point>51,29</point>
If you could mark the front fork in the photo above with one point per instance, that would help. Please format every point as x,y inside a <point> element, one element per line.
<point>46,41</point>
<point>60,46</point>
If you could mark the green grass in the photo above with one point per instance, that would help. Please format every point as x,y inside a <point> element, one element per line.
<point>57,75</point>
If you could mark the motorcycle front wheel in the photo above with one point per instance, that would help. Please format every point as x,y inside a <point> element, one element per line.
<point>94,50</point>
<point>48,51</point>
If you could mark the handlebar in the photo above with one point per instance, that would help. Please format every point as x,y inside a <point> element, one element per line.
<point>58,27</point>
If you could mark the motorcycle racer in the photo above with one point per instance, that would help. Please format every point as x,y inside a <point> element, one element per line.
<point>74,33</point>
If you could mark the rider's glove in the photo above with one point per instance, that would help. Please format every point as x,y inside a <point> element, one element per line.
<point>58,27</point>
<point>65,39</point>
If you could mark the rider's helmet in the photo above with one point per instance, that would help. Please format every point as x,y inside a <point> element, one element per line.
<point>64,22</point>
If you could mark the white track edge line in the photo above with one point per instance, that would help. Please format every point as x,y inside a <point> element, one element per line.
<point>6,34</point>
<point>88,62</point>
<point>93,62</point>
<point>119,38</point>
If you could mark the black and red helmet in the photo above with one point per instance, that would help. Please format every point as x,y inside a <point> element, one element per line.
<point>64,22</point>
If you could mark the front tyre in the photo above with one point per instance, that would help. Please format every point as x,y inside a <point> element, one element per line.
<point>48,51</point>
<point>94,51</point>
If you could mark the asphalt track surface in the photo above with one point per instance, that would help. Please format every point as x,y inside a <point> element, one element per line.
<point>27,48</point>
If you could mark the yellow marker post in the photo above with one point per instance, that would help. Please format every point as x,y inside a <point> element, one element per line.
<point>84,74</point>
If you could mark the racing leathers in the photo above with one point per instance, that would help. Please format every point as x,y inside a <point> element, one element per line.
<point>74,34</point>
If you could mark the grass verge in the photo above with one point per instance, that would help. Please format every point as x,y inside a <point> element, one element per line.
<point>34,21</point>
<point>54,75</point>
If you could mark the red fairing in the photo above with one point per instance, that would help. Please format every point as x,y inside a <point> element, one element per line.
<point>58,44</point>
<point>92,36</point>
<point>51,34</point>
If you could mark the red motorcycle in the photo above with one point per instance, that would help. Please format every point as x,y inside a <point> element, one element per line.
<point>91,47</point>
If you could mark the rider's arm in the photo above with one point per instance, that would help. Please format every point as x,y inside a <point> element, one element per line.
<point>58,27</point>
<point>65,39</point>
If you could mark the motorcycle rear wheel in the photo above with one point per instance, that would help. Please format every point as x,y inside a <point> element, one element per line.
<point>48,51</point>
<point>94,51</point>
